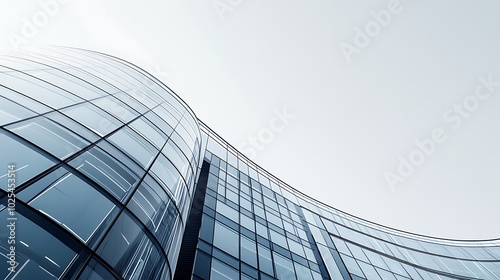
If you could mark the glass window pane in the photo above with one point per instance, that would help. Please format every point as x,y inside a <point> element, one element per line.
<point>278,239</point>
<point>29,103</point>
<point>174,154</point>
<point>215,148</point>
<point>248,251</point>
<point>39,253</point>
<point>357,252</point>
<point>227,211</point>
<point>296,247</point>
<point>265,261</point>
<point>158,122</point>
<point>38,89</point>
<point>50,136</point>
<point>96,271</point>
<point>147,202</point>
<point>67,201</point>
<point>129,250</point>
<point>66,82</point>
<point>28,162</point>
<point>369,270</point>
<point>116,108</point>
<point>134,146</point>
<point>166,116</point>
<point>226,239</point>
<point>11,111</point>
<point>132,102</point>
<point>284,267</point>
<point>187,151</point>
<point>147,130</point>
<point>187,137</point>
<point>221,271</point>
<point>73,126</point>
<point>166,173</point>
<point>155,209</point>
<point>202,265</point>
<point>107,172</point>
<point>352,265</point>
<point>92,117</point>
<point>303,272</point>
<point>386,275</point>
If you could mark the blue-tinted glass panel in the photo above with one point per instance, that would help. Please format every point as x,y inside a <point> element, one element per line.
<point>96,271</point>
<point>129,250</point>
<point>227,211</point>
<point>108,172</point>
<point>50,136</point>
<point>11,111</point>
<point>284,267</point>
<point>222,271</point>
<point>159,123</point>
<point>147,130</point>
<point>248,251</point>
<point>167,174</point>
<point>92,117</point>
<point>386,275</point>
<point>39,253</point>
<point>38,89</point>
<point>29,103</point>
<point>76,206</point>
<point>134,146</point>
<point>202,265</point>
<point>28,162</point>
<point>352,265</point>
<point>72,125</point>
<point>187,151</point>
<point>369,270</point>
<point>132,102</point>
<point>265,260</point>
<point>116,108</point>
<point>174,154</point>
<point>166,116</point>
<point>60,79</point>
<point>303,272</point>
<point>226,239</point>
<point>155,209</point>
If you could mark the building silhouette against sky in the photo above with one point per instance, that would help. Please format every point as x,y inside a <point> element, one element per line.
<point>115,177</point>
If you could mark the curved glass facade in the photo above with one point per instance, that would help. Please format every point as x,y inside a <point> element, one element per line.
<point>116,178</point>
<point>106,159</point>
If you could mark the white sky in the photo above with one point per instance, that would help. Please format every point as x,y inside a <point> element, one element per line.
<point>237,66</point>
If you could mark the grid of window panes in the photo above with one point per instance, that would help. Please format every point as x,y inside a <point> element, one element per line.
<point>270,222</point>
<point>249,231</point>
<point>106,160</point>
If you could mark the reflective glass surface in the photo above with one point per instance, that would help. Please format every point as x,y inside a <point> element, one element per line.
<point>115,174</point>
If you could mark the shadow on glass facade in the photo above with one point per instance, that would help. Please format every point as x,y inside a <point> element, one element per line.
<point>116,178</point>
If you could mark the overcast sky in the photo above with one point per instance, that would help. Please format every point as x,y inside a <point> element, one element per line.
<point>388,110</point>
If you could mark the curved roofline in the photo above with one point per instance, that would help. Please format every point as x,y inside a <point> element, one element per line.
<point>282,183</point>
<point>388,229</point>
<point>145,71</point>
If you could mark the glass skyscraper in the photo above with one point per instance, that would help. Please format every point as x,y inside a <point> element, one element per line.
<point>107,174</point>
